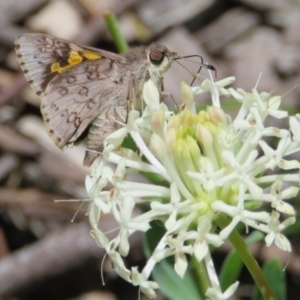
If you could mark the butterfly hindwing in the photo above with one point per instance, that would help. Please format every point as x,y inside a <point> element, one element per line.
<point>72,100</point>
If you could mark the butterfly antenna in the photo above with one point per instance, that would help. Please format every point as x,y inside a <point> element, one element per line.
<point>286,93</point>
<point>102,268</point>
<point>288,261</point>
<point>77,211</point>
<point>258,80</point>
<point>90,150</point>
<point>207,66</point>
<point>175,102</point>
<point>72,200</point>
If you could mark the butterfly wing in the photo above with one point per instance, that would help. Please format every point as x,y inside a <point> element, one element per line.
<point>74,99</point>
<point>75,83</point>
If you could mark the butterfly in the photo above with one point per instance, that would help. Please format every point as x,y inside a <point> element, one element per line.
<point>87,92</point>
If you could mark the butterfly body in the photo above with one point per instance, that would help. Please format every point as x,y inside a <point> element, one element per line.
<point>87,92</point>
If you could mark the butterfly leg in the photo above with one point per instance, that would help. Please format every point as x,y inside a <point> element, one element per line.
<point>135,91</point>
<point>134,99</point>
<point>109,121</point>
<point>112,118</point>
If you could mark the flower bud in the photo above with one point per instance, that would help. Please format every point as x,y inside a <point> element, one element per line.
<point>157,145</point>
<point>188,97</point>
<point>170,139</point>
<point>217,115</point>
<point>174,122</point>
<point>204,136</point>
<point>158,122</point>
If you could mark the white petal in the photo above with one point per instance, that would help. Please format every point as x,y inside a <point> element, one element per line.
<point>94,215</point>
<point>101,239</point>
<point>227,230</point>
<point>269,238</point>
<point>170,223</point>
<point>200,250</point>
<point>235,94</point>
<point>231,290</point>
<point>282,242</point>
<point>116,138</point>
<point>124,243</point>
<point>214,240</point>
<point>180,264</point>
<point>284,207</point>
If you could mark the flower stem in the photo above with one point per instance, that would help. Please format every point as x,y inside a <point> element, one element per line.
<point>249,261</point>
<point>202,276</point>
<point>114,29</point>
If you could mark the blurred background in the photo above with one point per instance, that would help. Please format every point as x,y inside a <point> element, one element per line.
<point>43,254</point>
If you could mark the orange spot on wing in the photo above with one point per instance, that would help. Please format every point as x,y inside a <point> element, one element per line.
<point>74,59</point>
<point>91,55</point>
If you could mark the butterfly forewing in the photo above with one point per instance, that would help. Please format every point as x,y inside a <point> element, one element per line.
<point>36,54</point>
<point>40,55</point>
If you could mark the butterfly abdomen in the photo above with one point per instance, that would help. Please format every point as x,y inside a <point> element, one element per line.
<point>105,124</point>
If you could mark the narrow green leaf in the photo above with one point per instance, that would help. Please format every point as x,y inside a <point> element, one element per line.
<point>273,271</point>
<point>114,29</point>
<point>231,270</point>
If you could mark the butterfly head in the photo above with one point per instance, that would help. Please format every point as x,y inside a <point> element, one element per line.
<point>160,58</point>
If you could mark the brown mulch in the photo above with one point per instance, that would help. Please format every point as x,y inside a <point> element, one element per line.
<point>43,255</point>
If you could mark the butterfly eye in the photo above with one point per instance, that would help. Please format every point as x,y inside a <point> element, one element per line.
<point>156,57</point>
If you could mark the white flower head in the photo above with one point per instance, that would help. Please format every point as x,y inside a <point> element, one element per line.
<point>205,164</point>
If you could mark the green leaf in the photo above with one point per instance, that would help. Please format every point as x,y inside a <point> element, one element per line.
<point>129,143</point>
<point>172,286</point>
<point>114,29</point>
<point>156,179</point>
<point>273,271</point>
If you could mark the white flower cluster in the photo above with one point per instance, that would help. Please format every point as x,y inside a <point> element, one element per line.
<point>210,165</point>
